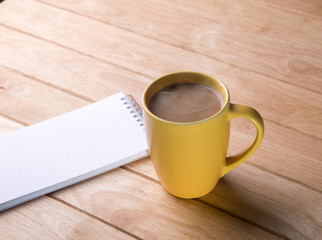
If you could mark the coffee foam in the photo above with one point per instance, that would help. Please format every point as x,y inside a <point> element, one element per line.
<point>186,102</point>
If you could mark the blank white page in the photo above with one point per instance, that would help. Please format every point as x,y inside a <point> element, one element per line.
<point>67,149</point>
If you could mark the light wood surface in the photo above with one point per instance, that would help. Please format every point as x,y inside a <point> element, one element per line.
<point>56,56</point>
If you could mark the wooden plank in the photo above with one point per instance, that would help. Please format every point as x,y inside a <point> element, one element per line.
<point>7,125</point>
<point>107,79</point>
<point>309,9</point>
<point>31,101</point>
<point>275,104</point>
<point>244,34</point>
<point>263,198</point>
<point>142,207</point>
<point>51,219</point>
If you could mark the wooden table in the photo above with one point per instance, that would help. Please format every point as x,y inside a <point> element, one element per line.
<point>56,56</point>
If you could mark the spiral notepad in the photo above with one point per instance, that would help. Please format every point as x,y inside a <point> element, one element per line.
<point>70,148</point>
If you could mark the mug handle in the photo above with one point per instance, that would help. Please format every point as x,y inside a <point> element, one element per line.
<point>236,111</point>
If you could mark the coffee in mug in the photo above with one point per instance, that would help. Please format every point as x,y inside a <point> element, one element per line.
<point>186,102</point>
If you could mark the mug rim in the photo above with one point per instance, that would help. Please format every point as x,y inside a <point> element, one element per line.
<point>217,114</point>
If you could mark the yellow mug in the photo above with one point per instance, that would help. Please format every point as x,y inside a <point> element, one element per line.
<point>190,157</point>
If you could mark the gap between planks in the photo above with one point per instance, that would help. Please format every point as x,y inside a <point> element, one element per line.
<point>14,119</point>
<point>158,40</point>
<point>284,177</point>
<point>93,216</point>
<point>241,218</point>
<point>49,85</point>
<point>289,10</point>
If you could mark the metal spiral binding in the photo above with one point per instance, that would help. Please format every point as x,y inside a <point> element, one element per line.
<point>134,108</point>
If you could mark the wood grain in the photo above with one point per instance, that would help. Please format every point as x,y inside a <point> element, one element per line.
<point>61,55</point>
<point>279,94</point>
<point>50,219</point>
<point>271,45</point>
<point>7,126</point>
